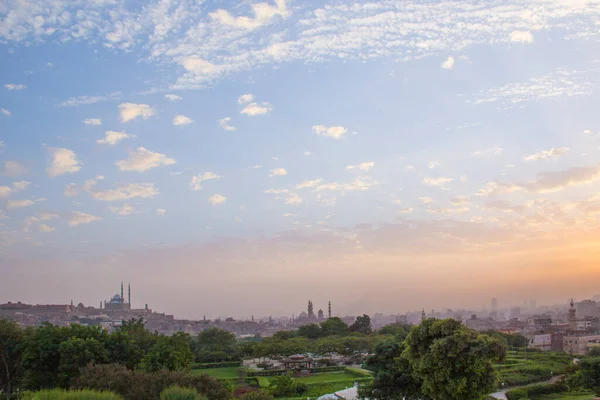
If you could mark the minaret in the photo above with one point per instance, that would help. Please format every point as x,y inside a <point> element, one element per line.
<point>122,301</point>
<point>329,311</point>
<point>572,317</point>
<point>129,294</point>
<point>423,315</point>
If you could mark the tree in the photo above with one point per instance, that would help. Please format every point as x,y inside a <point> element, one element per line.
<point>284,335</point>
<point>594,352</point>
<point>452,361</point>
<point>214,344</point>
<point>11,350</point>
<point>75,354</point>
<point>399,331</point>
<point>362,325</point>
<point>283,386</point>
<point>311,331</point>
<point>393,377</point>
<point>171,353</point>
<point>334,326</point>
<point>590,374</point>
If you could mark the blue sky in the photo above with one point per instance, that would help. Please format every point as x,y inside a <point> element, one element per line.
<point>335,148</point>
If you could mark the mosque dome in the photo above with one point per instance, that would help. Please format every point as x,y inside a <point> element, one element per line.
<point>116,299</point>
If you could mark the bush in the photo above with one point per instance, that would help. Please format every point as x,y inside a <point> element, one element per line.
<point>225,364</point>
<point>534,391</point>
<point>179,393</point>
<point>59,394</point>
<point>257,395</point>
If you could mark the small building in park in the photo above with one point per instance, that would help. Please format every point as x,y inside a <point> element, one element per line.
<point>297,362</point>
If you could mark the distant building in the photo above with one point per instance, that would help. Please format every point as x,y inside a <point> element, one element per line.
<point>515,312</point>
<point>575,344</point>
<point>117,302</point>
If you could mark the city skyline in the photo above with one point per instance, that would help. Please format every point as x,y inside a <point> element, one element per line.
<point>244,158</point>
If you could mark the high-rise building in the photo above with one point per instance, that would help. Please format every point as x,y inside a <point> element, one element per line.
<point>494,304</point>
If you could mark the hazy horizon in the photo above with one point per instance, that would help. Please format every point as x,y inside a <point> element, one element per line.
<point>238,159</point>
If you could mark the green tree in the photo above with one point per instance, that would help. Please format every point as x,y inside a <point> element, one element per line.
<point>76,353</point>
<point>362,325</point>
<point>453,362</point>
<point>311,331</point>
<point>594,352</point>
<point>334,326</point>
<point>214,344</point>
<point>399,331</point>
<point>393,377</point>
<point>590,374</point>
<point>283,386</point>
<point>284,335</point>
<point>171,353</point>
<point>11,371</point>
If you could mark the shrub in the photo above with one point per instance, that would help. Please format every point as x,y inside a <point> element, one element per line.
<point>257,395</point>
<point>225,364</point>
<point>179,393</point>
<point>301,387</point>
<point>60,394</point>
<point>534,391</point>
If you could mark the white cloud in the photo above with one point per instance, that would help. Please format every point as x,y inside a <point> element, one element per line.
<point>460,201</point>
<point>263,12</point>
<point>307,153</point>
<point>309,184</point>
<point>492,151</point>
<point>112,137</point>
<point>13,168</point>
<point>521,37</point>
<point>85,100</point>
<point>257,166</point>
<point>359,184</point>
<point>433,164</point>
<point>277,172</point>
<point>141,160</point>
<point>5,191</point>
<point>45,228</point>
<point>15,86</point>
<point>172,97</point>
<point>71,190</point>
<point>437,181</point>
<point>425,200</point>
<point>552,153</point>
<point>92,121</point>
<point>79,218</point>
<point>21,185</point>
<point>128,191</point>
<point>126,209</point>
<point>448,63</point>
<point>64,161</point>
<point>335,132</point>
<point>224,123</point>
<point>405,210</point>
<point>287,196</point>
<point>254,109</point>
<point>5,112</point>
<point>131,111</point>
<point>180,120</point>
<point>364,166</point>
<point>217,199</point>
<point>161,212</point>
<point>47,215</point>
<point>457,210</point>
<point>196,183</point>
<point>19,203</point>
<point>245,98</point>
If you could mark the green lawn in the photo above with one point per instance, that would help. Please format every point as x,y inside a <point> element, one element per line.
<point>219,373</point>
<point>330,376</point>
<point>568,397</point>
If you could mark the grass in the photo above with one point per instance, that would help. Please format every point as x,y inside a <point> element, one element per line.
<point>539,367</point>
<point>567,397</point>
<point>219,373</point>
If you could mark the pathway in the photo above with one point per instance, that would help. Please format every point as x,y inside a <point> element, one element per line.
<point>501,395</point>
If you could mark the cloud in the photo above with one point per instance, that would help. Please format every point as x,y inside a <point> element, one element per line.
<point>245,98</point>
<point>433,164</point>
<point>307,153</point>
<point>126,209</point>
<point>437,181</point>
<point>263,12</point>
<point>224,123</point>
<point>5,191</point>
<point>425,200</point>
<point>47,215</point>
<point>85,100</point>
<point>131,111</point>
<point>216,199</point>
<point>335,132</point>
<point>127,191</point>
<point>13,168</point>
<point>364,166</point>
<point>460,201</point>
<point>161,212</point>
<point>405,210</point>
<point>277,172</point>
<point>359,184</point>
<point>112,137</point>
<point>172,97</point>
<point>64,161</point>
<point>19,203</point>
<point>457,210</point>
<point>92,121</point>
<point>141,160</point>
<point>254,109</point>
<point>497,188</point>
<point>286,195</point>
<point>180,120</point>
<point>196,183</point>
<point>552,153</point>
<point>21,185</point>
<point>555,181</point>
<point>521,37</point>
<point>492,151</point>
<point>78,218</point>
<point>5,112</point>
<point>503,206</point>
<point>45,228</point>
<point>449,63</point>
<point>309,184</point>
<point>15,86</point>
<point>71,190</point>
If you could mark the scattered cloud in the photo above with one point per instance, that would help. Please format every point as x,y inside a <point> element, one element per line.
<point>286,195</point>
<point>224,123</point>
<point>21,185</point>
<point>460,201</point>
<point>492,151</point>
<point>521,37</point>
<point>71,190</point>
<point>5,191</point>
<point>112,137</point>
<point>126,191</point>
<point>10,204</point>
<point>277,172</point>
<point>216,199</point>
<point>425,200</point>
<point>437,181</point>
<point>92,121</point>
<point>78,218</point>
<point>196,183</point>
<point>161,212</point>
<point>433,164</point>
<point>131,111</point>
<point>503,206</point>
<point>335,132</point>
<point>181,120</point>
<point>141,160</point>
<point>15,86</point>
<point>85,100</point>
<point>45,228</point>
<point>254,109</point>
<point>13,168</point>
<point>64,161</point>
<point>552,153</point>
<point>172,97</point>
<point>309,184</point>
<point>359,184</point>
<point>5,112</point>
<point>555,181</point>
<point>364,166</point>
<point>405,210</point>
<point>448,63</point>
<point>126,209</point>
<point>307,153</point>
<point>245,98</point>
<point>456,210</point>
<point>263,13</point>
<point>47,215</point>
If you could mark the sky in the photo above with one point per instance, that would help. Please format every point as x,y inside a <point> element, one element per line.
<point>241,158</point>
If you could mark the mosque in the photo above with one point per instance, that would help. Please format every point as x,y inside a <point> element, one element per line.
<point>117,302</point>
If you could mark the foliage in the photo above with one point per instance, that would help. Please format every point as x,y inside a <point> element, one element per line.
<point>11,349</point>
<point>590,374</point>
<point>362,325</point>
<point>215,345</point>
<point>535,391</point>
<point>397,330</point>
<point>283,386</point>
<point>225,364</point>
<point>510,339</point>
<point>257,395</point>
<point>334,326</point>
<point>179,393</point>
<point>452,361</point>
<point>170,352</point>
<point>594,352</point>
<point>60,394</point>
<point>310,331</point>
<point>76,353</point>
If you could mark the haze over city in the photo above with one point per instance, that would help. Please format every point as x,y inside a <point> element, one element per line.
<point>240,159</point>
